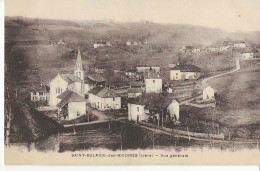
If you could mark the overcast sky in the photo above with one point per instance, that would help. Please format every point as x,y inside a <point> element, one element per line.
<point>231,15</point>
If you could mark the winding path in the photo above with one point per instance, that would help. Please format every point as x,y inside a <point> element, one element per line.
<point>204,81</point>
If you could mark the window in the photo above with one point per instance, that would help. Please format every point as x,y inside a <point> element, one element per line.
<point>137,109</point>
<point>114,98</point>
<point>34,93</point>
<point>41,93</point>
<point>153,81</point>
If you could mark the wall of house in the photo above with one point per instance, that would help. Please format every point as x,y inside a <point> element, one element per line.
<point>56,83</point>
<point>175,75</point>
<point>88,87</point>
<point>104,103</point>
<point>133,112</point>
<point>247,56</point>
<point>76,109</point>
<point>38,97</point>
<point>208,94</point>
<point>174,109</point>
<point>153,85</point>
<point>240,45</point>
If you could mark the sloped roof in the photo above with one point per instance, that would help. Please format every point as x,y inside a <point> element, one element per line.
<point>153,101</point>
<point>187,68</point>
<point>136,84</point>
<point>70,78</point>
<point>135,90</point>
<point>95,77</point>
<point>69,96</point>
<point>103,92</point>
<point>41,88</point>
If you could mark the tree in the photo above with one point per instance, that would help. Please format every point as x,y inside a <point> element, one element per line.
<point>151,136</point>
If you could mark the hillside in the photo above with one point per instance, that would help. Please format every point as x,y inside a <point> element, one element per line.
<point>40,39</point>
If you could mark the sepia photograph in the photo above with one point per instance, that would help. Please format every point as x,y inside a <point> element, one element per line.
<point>132,82</point>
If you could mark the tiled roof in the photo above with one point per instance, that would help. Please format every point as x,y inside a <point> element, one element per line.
<point>187,68</point>
<point>70,78</point>
<point>103,92</point>
<point>69,96</point>
<point>153,101</point>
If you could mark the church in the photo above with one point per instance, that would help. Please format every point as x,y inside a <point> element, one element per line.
<point>73,82</point>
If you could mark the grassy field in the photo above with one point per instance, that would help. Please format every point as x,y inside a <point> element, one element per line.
<point>238,95</point>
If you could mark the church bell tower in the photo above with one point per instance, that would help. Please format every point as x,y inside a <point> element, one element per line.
<point>79,69</point>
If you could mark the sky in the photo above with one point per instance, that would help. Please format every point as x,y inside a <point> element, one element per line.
<point>229,15</point>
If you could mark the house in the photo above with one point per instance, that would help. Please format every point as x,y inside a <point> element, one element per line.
<point>40,93</point>
<point>100,70</point>
<point>93,80</point>
<point>153,83</point>
<point>103,98</point>
<point>71,105</point>
<point>153,106</point>
<point>134,92</point>
<point>212,49</point>
<point>131,72</point>
<point>148,68</point>
<point>101,44</point>
<point>73,82</point>
<point>195,50</point>
<point>186,49</point>
<point>247,55</point>
<point>184,72</point>
<point>240,45</point>
<point>224,48</point>
<point>208,94</point>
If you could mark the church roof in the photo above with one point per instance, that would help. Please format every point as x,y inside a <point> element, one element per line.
<point>103,92</point>
<point>69,96</point>
<point>70,78</point>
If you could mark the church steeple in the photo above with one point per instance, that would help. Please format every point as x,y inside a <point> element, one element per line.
<point>79,69</point>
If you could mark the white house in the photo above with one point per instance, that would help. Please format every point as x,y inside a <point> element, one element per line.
<point>208,94</point>
<point>146,106</point>
<point>240,45</point>
<point>71,105</point>
<point>247,55</point>
<point>103,98</point>
<point>184,71</point>
<point>173,109</point>
<point>153,83</point>
<point>101,44</point>
<point>40,93</point>
<point>73,82</point>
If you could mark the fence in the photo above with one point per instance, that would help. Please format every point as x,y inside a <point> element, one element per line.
<point>187,133</point>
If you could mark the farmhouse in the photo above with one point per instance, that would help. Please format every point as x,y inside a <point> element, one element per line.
<point>247,55</point>
<point>240,44</point>
<point>184,72</point>
<point>73,82</point>
<point>93,80</point>
<point>153,106</point>
<point>71,105</point>
<point>208,94</point>
<point>40,93</point>
<point>103,98</point>
<point>101,44</point>
<point>153,83</point>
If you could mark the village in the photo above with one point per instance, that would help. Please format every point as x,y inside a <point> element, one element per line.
<point>144,98</point>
